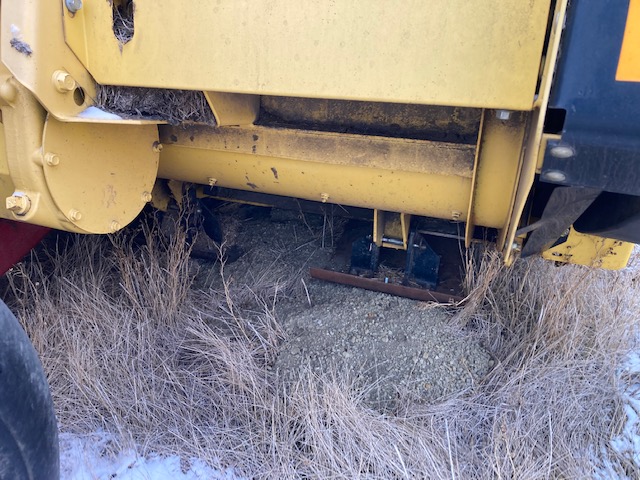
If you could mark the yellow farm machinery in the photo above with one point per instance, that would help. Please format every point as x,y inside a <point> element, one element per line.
<point>503,121</point>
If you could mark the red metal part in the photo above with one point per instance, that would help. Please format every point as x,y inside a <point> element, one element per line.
<point>378,286</point>
<point>16,240</point>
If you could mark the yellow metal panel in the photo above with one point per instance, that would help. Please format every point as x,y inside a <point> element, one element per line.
<point>6,184</point>
<point>23,122</point>
<point>496,171</point>
<point>233,108</point>
<point>38,25</point>
<point>629,63</point>
<point>474,53</point>
<point>349,183</point>
<point>592,251</point>
<point>100,176</point>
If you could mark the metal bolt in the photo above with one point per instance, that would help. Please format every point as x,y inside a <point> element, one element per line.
<point>73,5</point>
<point>63,81</point>
<point>114,227</point>
<point>503,114</point>
<point>51,159</point>
<point>515,246</point>
<point>562,151</point>
<point>157,147</point>
<point>18,204</point>
<point>455,215</point>
<point>554,176</point>
<point>75,215</point>
<point>146,197</point>
<point>212,181</point>
<point>324,197</point>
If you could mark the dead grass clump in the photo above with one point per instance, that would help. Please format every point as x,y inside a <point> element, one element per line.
<point>130,348</point>
<point>123,25</point>
<point>172,106</point>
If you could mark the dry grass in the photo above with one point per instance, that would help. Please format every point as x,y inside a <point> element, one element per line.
<point>172,106</point>
<point>132,349</point>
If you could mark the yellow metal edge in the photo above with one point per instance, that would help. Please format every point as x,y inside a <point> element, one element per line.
<point>534,137</point>
<point>471,221</point>
<point>591,251</point>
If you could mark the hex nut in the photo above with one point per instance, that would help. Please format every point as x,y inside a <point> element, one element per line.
<point>63,81</point>
<point>75,215</point>
<point>18,204</point>
<point>51,159</point>
<point>115,226</point>
<point>146,197</point>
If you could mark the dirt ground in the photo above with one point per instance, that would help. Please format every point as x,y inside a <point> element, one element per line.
<point>391,347</point>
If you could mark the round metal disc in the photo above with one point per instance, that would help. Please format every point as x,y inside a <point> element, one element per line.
<point>99,175</point>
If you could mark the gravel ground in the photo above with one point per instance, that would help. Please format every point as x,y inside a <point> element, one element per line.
<point>388,346</point>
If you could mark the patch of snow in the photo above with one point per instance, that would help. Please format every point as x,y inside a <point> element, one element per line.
<point>95,113</point>
<point>627,443</point>
<point>86,458</point>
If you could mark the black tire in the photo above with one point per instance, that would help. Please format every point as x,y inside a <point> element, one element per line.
<point>28,428</point>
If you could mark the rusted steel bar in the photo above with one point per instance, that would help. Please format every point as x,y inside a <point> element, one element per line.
<point>378,286</point>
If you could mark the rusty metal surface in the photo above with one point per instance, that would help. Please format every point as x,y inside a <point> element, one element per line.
<point>421,122</point>
<point>378,286</point>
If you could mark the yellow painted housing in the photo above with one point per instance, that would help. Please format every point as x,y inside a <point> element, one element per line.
<point>398,107</point>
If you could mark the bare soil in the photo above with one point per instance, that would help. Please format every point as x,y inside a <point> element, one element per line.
<point>390,347</point>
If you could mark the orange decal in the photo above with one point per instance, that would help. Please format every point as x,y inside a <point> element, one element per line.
<point>629,63</point>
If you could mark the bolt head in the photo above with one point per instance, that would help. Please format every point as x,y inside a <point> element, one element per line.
<point>554,176</point>
<point>75,215</point>
<point>503,114</point>
<point>18,204</point>
<point>73,5</point>
<point>63,82</point>
<point>114,227</point>
<point>146,197</point>
<point>562,151</point>
<point>51,159</point>
<point>324,197</point>
<point>212,181</point>
<point>157,147</point>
